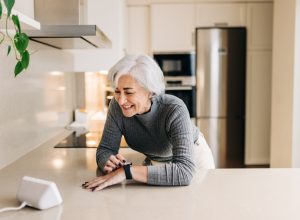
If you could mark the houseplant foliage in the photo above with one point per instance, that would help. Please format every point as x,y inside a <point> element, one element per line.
<point>19,42</point>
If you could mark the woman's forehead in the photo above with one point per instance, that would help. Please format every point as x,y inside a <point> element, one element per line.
<point>127,81</point>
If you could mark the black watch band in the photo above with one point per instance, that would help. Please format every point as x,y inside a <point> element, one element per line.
<point>127,171</point>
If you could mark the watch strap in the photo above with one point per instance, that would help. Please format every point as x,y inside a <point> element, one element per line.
<point>126,168</point>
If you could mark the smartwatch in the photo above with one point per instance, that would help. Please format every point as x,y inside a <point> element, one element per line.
<point>126,168</point>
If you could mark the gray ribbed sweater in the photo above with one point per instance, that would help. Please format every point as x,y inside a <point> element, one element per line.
<point>165,133</point>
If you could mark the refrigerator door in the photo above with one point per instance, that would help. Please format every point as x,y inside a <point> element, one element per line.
<point>225,138</point>
<point>220,69</point>
<point>214,131</point>
<point>211,50</point>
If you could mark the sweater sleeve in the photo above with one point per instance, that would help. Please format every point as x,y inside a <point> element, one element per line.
<point>180,170</point>
<point>111,137</point>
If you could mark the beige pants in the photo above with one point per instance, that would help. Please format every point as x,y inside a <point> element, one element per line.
<point>203,155</point>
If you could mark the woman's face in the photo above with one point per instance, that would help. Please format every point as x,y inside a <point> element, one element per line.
<point>132,97</point>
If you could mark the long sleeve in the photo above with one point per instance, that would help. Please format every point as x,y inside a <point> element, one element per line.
<point>111,137</point>
<point>180,170</point>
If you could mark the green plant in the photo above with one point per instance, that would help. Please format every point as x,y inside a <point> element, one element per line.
<point>19,42</point>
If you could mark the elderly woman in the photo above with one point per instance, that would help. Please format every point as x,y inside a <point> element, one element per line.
<point>153,123</point>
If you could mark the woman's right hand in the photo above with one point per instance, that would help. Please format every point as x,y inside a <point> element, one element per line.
<point>114,162</point>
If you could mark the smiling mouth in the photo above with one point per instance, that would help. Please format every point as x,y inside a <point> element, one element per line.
<point>127,107</point>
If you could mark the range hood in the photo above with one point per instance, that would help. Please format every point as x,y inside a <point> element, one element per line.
<point>70,36</point>
<point>61,26</point>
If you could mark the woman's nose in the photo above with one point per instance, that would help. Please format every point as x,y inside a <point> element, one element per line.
<point>122,99</point>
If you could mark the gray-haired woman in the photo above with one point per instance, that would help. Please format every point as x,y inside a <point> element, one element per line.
<point>153,123</point>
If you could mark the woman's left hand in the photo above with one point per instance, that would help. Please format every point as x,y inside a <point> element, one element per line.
<point>102,182</point>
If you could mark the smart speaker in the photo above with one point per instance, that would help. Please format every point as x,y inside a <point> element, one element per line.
<point>38,193</point>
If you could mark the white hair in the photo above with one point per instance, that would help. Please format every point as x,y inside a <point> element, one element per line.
<point>143,69</point>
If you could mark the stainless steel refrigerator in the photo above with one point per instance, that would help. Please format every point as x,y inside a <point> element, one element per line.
<point>220,74</point>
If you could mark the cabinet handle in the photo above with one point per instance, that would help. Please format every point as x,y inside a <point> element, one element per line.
<point>221,24</point>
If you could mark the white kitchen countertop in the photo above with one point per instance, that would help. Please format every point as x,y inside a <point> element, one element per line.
<point>214,194</point>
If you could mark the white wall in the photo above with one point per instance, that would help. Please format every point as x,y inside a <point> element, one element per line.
<point>108,15</point>
<point>35,105</point>
<point>25,6</point>
<point>285,119</point>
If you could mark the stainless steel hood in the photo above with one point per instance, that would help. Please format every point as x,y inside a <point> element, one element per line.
<point>70,36</point>
<point>61,26</point>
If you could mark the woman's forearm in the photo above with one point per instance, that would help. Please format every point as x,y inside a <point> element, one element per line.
<point>139,173</point>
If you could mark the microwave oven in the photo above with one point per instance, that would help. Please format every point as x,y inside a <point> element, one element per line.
<point>176,64</point>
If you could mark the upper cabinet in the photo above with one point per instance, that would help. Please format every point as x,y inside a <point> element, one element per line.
<point>173,27</point>
<point>220,14</point>
<point>138,30</point>
<point>260,25</point>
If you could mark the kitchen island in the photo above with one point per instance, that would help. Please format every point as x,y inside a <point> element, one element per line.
<point>214,194</point>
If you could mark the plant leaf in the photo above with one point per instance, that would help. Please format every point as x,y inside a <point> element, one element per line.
<point>9,5</point>
<point>8,49</point>
<point>25,59</point>
<point>21,41</point>
<point>0,9</point>
<point>16,21</point>
<point>18,68</point>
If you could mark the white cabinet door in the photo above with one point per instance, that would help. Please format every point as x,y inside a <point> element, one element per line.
<point>173,27</point>
<point>260,25</point>
<point>220,14</point>
<point>258,107</point>
<point>138,30</point>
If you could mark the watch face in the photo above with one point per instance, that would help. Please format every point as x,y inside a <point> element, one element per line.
<point>127,163</point>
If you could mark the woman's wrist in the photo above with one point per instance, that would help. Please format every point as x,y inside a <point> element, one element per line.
<point>139,173</point>
<point>127,170</point>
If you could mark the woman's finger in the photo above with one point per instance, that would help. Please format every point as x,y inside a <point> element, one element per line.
<point>100,186</point>
<point>110,179</point>
<point>121,158</point>
<point>89,183</point>
<point>108,169</point>
<point>97,182</point>
<point>110,164</point>
<point>114,160</point>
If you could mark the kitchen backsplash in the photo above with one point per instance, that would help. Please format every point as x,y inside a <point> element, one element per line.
<point>35,105</point>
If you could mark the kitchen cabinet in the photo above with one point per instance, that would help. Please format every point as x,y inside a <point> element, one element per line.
<point>259,75</point>
<point>220,14</point>
<point>260,25</point>
<point>138,30</point>
<point>258,107</point>
<point>173,27</point>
